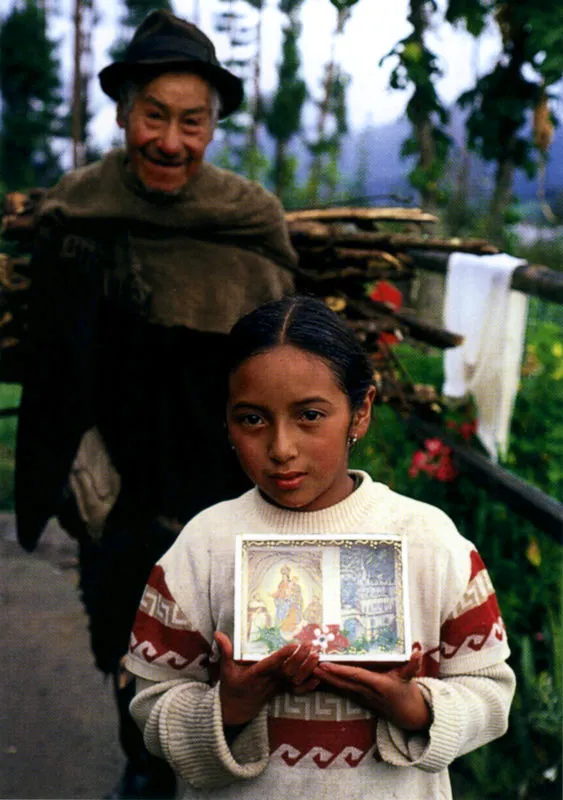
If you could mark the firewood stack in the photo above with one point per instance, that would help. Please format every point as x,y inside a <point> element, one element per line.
<point>345,252</point>
<point>342,252</point>
<point>15,279</point>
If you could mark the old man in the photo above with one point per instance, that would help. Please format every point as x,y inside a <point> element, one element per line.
<point>142,263</point>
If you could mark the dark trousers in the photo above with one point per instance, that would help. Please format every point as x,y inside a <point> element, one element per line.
<point>163,419</point>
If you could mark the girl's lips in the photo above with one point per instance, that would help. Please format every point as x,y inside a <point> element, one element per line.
<point>290,481</point>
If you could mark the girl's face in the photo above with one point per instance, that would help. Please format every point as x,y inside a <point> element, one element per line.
<point>290,422</point>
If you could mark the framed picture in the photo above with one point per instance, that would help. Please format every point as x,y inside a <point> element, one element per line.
<point>347,595</point>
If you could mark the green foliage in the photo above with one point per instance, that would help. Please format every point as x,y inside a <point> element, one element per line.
<point>283,115</point>
<point>324,176</point>
<point>503,100</point>
<point>499,102</point>
<point>255,164</point>
<point>31,97</point>
<point>343,5</point>
<point>473,13</point>
<point>417,67</point>
<point>134,13</point>
<point>525,565</point>
<point>9,398</point>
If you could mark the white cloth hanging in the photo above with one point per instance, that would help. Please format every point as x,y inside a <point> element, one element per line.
<point>480,306</point>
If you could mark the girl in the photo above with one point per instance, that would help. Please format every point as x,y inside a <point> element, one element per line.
<point>300,394</point>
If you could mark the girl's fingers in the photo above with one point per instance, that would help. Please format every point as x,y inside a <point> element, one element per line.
<point>224,644</point>
<point>307,686</point>
<point>275,661</point>
<point>338,676</point>
<point>410,670</point>
<point>300,666</point>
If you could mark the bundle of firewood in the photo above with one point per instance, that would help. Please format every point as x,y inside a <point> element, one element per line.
<point>347,256</point>
<point>18,223</point>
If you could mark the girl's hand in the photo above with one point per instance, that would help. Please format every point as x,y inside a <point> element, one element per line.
<point>392,695</point>
<point>246,688</point>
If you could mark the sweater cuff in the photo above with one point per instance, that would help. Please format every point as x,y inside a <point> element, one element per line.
<point>433,750</point>
<point>193,740</point>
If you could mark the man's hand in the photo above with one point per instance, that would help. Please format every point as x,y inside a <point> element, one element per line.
<point>246,688</point>
<point>392,695</point>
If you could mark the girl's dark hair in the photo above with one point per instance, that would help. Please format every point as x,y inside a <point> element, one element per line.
<point>308,324</point>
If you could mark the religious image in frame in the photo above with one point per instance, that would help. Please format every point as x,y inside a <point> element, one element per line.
<point>347,595</point>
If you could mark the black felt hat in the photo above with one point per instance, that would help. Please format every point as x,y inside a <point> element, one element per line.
<point>165,43</point>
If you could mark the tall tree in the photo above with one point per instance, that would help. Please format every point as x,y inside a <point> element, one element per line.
<point>134,13</point>
<point>331,121</point>
<point>503,101</point>
<point>252,157</point>
<point>84,20</point>
<point>417,67</point>
<point>31,98</point>
<point>231,21</point>
<point>283,114</point>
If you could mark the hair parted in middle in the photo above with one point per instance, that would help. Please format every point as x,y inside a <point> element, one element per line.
<point>309,325</point>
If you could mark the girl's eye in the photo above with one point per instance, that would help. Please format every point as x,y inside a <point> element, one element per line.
<point>250,420</point>
<point>311,415</point>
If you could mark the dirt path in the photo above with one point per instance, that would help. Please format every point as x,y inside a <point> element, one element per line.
<point>57,722</point>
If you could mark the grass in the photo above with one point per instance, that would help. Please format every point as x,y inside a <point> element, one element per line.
<point>9,398</point>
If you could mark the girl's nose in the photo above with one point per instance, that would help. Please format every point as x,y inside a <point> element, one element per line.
<point>282,445</point>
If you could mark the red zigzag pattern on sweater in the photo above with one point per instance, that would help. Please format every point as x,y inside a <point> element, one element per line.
<point>161,631</point>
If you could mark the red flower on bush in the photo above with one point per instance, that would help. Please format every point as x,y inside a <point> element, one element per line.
<point>435,460</point>
<point>326,637</point>
<point>468,429</point>
<point>465,429</point>
<point>385,292</point>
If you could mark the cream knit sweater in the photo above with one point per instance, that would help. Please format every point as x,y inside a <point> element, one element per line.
<point>319,746</point>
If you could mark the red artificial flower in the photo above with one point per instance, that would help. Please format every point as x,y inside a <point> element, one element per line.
<point>326,637</point>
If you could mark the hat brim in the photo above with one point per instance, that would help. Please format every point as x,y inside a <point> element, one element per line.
<point>229,86</point>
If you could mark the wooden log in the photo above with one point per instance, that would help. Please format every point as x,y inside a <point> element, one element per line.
<point>421,331</point>
<point>18,227</point>
<point>327,235</point>
<point>545,512</point>
<point>391,214</point>
<point>369,257</point>
<point>530,279</point>
<point>314,280</point>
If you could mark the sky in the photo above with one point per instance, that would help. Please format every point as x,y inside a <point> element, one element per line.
<point>373,28</point>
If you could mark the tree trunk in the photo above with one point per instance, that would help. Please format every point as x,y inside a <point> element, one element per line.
<point>280,167</point>
<point>501,199</point>
<point>77,141</point>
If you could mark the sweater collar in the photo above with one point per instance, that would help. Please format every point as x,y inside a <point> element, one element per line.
<point>338,518</point>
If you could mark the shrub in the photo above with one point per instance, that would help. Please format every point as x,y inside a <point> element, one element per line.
<point>524,563</point>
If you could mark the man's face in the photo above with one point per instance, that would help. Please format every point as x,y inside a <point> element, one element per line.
<point>168,130</point>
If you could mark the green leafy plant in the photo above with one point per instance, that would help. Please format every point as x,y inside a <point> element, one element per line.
<point>525,565</point>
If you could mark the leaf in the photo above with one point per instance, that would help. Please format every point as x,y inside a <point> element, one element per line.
<point>533,552</point>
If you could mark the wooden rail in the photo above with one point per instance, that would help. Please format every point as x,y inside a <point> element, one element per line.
<point>545,512</point>
<point>531,279</point>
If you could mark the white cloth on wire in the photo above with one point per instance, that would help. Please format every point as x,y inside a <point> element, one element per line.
<point>480,306</point>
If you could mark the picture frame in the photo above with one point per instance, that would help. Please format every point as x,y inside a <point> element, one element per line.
<point>347,595</point>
